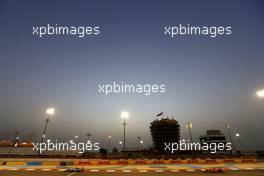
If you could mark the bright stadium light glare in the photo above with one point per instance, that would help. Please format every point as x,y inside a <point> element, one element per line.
<point>124,115</point>
<point>50,111</point>
<point>227,125</point>
<point>189,125</point>
<point>260,93</point>
<point>237,134</point>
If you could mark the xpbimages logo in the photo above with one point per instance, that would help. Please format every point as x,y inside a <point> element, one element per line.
<point>189,30</point>
<point>185,145</point>
<point>145,89</point>
<point>81,147</point>
<point>52,30</point>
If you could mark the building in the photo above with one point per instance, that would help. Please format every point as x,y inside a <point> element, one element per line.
<point>213,136</point>
<point>163,131</point>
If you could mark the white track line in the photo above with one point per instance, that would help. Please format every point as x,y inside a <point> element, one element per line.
<point>72,173</point>
<point>174,170</point>
<point>158,170</point>
<point>249,168</point>
<point>110,170</point>
<point>126,170</point>
<point>94,170</point>
<point>190,170</point>
<point>61,170</point>
<point>142,171</point>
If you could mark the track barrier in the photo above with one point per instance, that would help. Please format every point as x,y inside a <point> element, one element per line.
<point>98,162</point>
<point>161,162</point>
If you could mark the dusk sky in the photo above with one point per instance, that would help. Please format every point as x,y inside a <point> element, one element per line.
<point>209,81</point>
